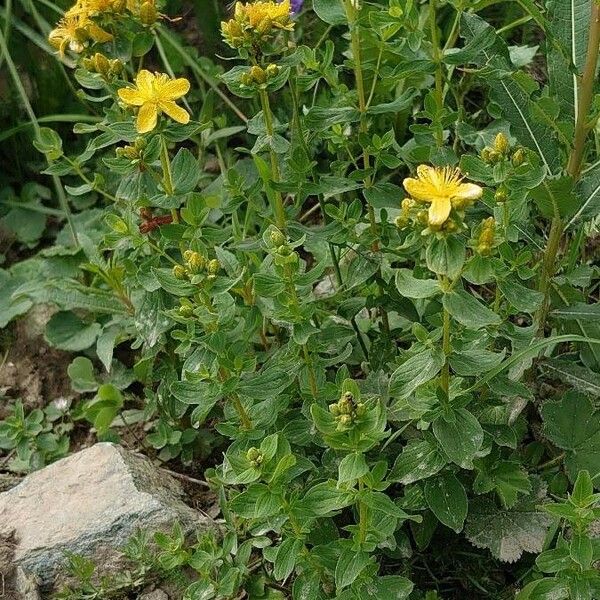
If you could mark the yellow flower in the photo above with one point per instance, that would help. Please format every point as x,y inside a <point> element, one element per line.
<point>258,13</point>
<point>155,93</point>
<point>75,29</point>
<point>256,20</point>
<point>443,189</point>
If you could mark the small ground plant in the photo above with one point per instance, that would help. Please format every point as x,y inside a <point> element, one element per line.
<point>347,267</point>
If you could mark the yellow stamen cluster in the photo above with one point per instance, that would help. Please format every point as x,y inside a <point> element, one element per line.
<point>255,22</point>
<point>155,93</point>
<point>443,189</point>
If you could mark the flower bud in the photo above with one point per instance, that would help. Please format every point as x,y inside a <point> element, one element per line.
<point>148,13</point>
<point>179,272</point>
<point>194,260</point>
<point>186,309</point>
<point>277,238</point>
<point>258,74</point>
<point>255,456</point>
<point>501,196</point>
<point>213,267</point>
<point>501,143</point>
<point>271,71</point>
<point>518,158</point>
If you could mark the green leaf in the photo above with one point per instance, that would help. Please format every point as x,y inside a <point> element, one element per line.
<point>588,193</point>
<point>522,298</point>
<point>568,23</point>
<point>383,503</point>
<point>352,467</point>
<point>390,587</point>
<point>475,361</point>
<point>323,499</point>
<point>411,287</point>
<point>583,490</point>
<point>447,499</point>
<point>172,285</point>
<point>81,374</point>
<point>511,92</point>
<point>507,478</point>
<point>507,533</point>
<point>461,436</point>
<point>572,424</point>
<point>418,460</point>
<point>200,394</point>
<point>445,256</point>
<point>185,172</point>
<point>544,589</point>
<point>48,142</point>
<point>415,371</point>
<point>65,330</point>
<point>330,11</point>
<point>578,310</point>
<point>286,557</point>
<point>581,549</point>
<point>256,502</point>
<point>469,311</point>
<point>349,566</point>
<point>581,378</point>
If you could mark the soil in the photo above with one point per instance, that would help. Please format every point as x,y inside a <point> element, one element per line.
<point>31,370</point>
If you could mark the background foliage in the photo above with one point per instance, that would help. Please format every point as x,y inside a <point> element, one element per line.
<point>383,405</point>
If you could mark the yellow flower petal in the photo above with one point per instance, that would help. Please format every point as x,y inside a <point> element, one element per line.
<point>468,191</point>
<point>144,81</point>
<point>174,88</point>
<point>98,34</point>
<point>146,119</point>
<point>439,211</point>
<point>131,96</point>
<point>175,112</point>
<point>419,190</point>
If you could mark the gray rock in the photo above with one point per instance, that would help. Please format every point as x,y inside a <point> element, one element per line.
<point>90,504</point>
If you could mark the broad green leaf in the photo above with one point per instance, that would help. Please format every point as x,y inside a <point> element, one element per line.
<point>172,285</point>
<point>583,490</point>
<point>287,554</point>
<point>507,478</point>
<point>520,297</point>
<point>349,566</point>
<point>324,498</point>
<point>383,503</point>
<point>569,23</point>
<point>445,256</point>
<point>67,331</point>
<point>588,193</point>
<point>256,502</point>
<point>475,361</point>
<point>469,311</point>
<point>460,435</point>
<point>330,11</point>
<point>81,374</point>
<point>185,171</point>
<point>548,588</point>
<point>352,467</point>
<point>418,460</point>
<point>507,533</point>
<point>588,312</point>
<point>390,587</point>
<point>411,287</point>
<point>573,424</point>
<point>581,378</point>
<point>509,92</point>
<point>446,497</point>
<point>418,369</point>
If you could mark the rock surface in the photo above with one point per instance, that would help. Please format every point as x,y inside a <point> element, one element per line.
<point>89,503</point>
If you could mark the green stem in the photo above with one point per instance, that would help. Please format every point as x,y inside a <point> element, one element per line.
<point>279,209</point>
<point>445,376</point>
<point>586,95</point>
<point>242,413</point>
<point>362,517</point>
<point>60,192</point>
<point>167,178</point>
<point>439,74</point>
<point>312,379</point>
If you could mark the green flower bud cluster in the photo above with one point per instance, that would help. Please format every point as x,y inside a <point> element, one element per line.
<point>501,150</point>
<point>108,68</point>
<point>346,411</point>
<point>195,264</point>
<point>132,151</point>
<point>255,457</point>
<point>187,308</point>
<point>256,75</point>
<point>485,240</point>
